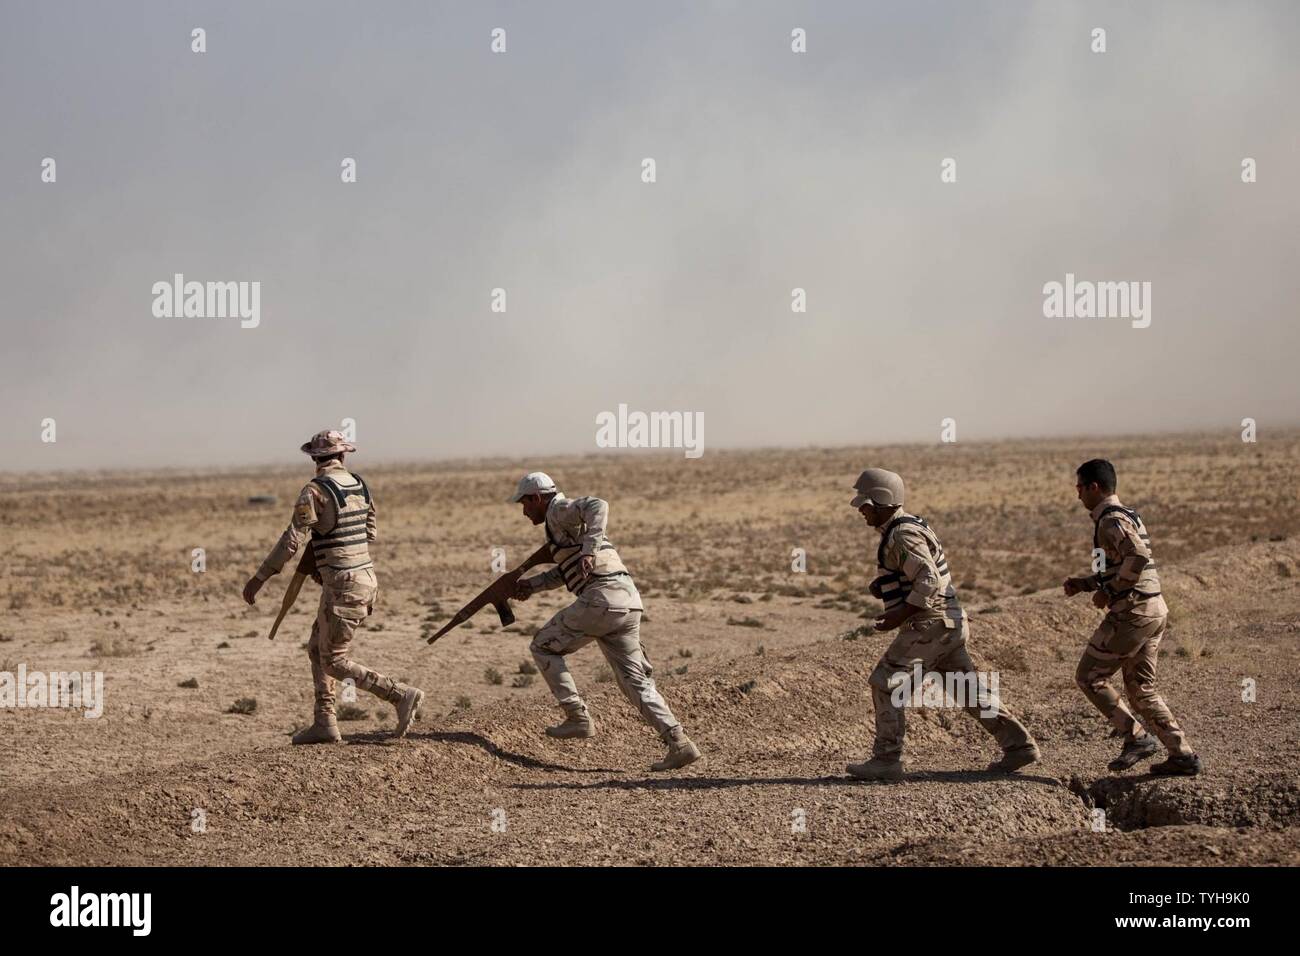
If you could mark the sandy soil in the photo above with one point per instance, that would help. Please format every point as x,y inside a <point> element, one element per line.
<point>766,667</point>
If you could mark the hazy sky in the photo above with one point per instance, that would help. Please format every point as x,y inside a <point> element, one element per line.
<point>522,170</point>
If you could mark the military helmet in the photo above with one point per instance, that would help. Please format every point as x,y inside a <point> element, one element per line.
<point>328,442</point>
<point>880,487</point>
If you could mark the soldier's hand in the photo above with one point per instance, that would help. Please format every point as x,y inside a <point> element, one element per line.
<point>874,589</point>
<point>890,619</point>
<point>315,576</point>
<point>1100,599</point>
<point>250,590</point>
<point>523,591</point>
<point>588,564</point>
<point>1073,586</point>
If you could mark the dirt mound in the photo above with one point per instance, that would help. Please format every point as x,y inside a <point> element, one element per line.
<point>777,724</point>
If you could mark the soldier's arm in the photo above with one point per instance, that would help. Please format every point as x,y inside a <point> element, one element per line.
<point>913,558</point>
<point>899,555</point>
<point>1122,536</point>
<point>548,579</point>
<point>372,529</point>
<point>306,512</point>
<point>595,513</point>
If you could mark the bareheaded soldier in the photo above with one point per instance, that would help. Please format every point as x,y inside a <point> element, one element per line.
<point>1128,638</point>
<point>920,602</point>
<point>335,510</point>
<point>607,609</point>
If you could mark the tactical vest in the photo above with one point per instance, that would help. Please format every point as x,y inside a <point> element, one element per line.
<point>568,557</point>
<point>1147,584</point>
<point>894,586</point>
<point>343,547</point>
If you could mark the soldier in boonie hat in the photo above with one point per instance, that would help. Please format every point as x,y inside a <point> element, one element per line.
<point>335,518</point>
<point>328,442</point>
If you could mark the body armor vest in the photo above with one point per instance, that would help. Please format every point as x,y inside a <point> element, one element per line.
<point>894,586</point>
<point>1148,583</point>
<point>343,547</point>
<point>568,557</point>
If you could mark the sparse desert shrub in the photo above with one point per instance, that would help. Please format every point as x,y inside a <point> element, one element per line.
<point>744,622</point>
<point>192,683</point>
<point>522,680</point>
<point>245,705</point>
<point>351,712</point>
<point>685,652</point>
<point>113,647</point>
<point>527,667</point>
<point>493,676</point>
<point>604,675</point>
<point>683,669</point>
<point>463,703</point>
<point>1192,646</point>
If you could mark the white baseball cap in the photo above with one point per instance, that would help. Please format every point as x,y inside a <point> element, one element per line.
<point>534,483</point>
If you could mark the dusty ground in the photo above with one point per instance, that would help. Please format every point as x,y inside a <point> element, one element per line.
<point>765,666</point>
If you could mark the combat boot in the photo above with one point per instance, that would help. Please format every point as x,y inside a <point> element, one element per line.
<point>577,723</point>
<point>407,704</point>
<point>325,730</point>
<point>1178,765</point>
<point>1136,749</point>
<point>877,769</point>
<point>680,751</point>
<point>1015,758</point>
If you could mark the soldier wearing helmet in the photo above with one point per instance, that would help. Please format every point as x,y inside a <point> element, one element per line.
<point>336,514</point>
<point>921,604</point>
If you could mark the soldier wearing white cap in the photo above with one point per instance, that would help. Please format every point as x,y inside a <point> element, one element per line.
<point>607,609</point>
<point>336,514</point>
<point>920,601</point>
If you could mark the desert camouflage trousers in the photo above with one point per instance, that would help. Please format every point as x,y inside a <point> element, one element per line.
<point>941,651</point>
<point>618,632</point>
<point>1129,643</point>
<point>346,600</point>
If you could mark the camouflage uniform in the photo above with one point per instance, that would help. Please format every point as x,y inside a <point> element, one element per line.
<point>914,570</point>
<point>607,610</point>
<point>1128,638</point>
<point>335,512</point>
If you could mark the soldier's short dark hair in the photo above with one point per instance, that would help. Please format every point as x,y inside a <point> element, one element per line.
<point>1098,470</point>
